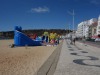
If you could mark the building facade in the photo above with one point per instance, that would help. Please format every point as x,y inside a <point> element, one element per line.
<point>87,28</point>
<point>98,27</point>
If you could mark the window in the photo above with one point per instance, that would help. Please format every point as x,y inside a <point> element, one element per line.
<point>99,31</point>
<point>94,31</point>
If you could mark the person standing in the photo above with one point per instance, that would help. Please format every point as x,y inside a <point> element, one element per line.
<point>74,39</point>
<point>71,39</point>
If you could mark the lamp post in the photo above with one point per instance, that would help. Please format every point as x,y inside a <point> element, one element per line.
<point>71,35</point>
<point>73,14</point>
<point>69,28</point>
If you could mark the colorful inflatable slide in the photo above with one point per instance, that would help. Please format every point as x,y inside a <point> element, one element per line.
<point>20,39</point>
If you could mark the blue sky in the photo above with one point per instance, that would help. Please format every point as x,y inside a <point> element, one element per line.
<point>45,14</point>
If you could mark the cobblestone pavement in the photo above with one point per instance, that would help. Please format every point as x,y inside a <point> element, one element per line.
<point>78,59</point>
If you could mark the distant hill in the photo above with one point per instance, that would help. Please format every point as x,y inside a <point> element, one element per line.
<point>39,32</point>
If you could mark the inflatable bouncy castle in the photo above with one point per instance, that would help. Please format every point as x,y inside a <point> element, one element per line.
<point>20,39</point>
<point>45,37</point>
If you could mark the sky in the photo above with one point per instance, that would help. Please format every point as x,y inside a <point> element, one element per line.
<point>46,14</point>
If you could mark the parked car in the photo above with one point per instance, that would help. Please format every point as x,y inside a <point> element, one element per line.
<point>97,39</point>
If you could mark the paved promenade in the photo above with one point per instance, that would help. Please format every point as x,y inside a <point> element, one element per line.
<point>78,60</point>
<point>95,44</point>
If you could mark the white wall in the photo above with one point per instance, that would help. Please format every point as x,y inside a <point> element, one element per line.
<point>98,27</point>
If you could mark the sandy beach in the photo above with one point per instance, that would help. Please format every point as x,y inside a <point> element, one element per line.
<point>22,61</point>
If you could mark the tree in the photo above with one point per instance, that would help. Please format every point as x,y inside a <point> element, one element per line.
<point>1,33</point>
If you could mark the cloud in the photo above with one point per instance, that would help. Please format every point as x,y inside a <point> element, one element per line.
<point>40,10</point>
<point>95,2</point>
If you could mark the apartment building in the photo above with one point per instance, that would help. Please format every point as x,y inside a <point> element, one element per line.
<point>92,27</point>
<point>86,28</point>
<point>80,30</point>
<point>98,27</point>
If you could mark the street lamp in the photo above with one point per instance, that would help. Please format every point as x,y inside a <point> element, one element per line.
<point>69,28</point>
<point>73,14</point>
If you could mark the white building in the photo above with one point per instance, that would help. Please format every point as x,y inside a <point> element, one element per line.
<point>98,27</point>
<point>93,20</point>
<point>86,29</point>
<point>80,30</point>
<point>83,27</point>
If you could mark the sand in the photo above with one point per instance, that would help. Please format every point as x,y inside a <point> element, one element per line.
<point>22,61</point>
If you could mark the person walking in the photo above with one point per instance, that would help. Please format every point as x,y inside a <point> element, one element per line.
<point>74,39</point>
<point>71,39</point>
